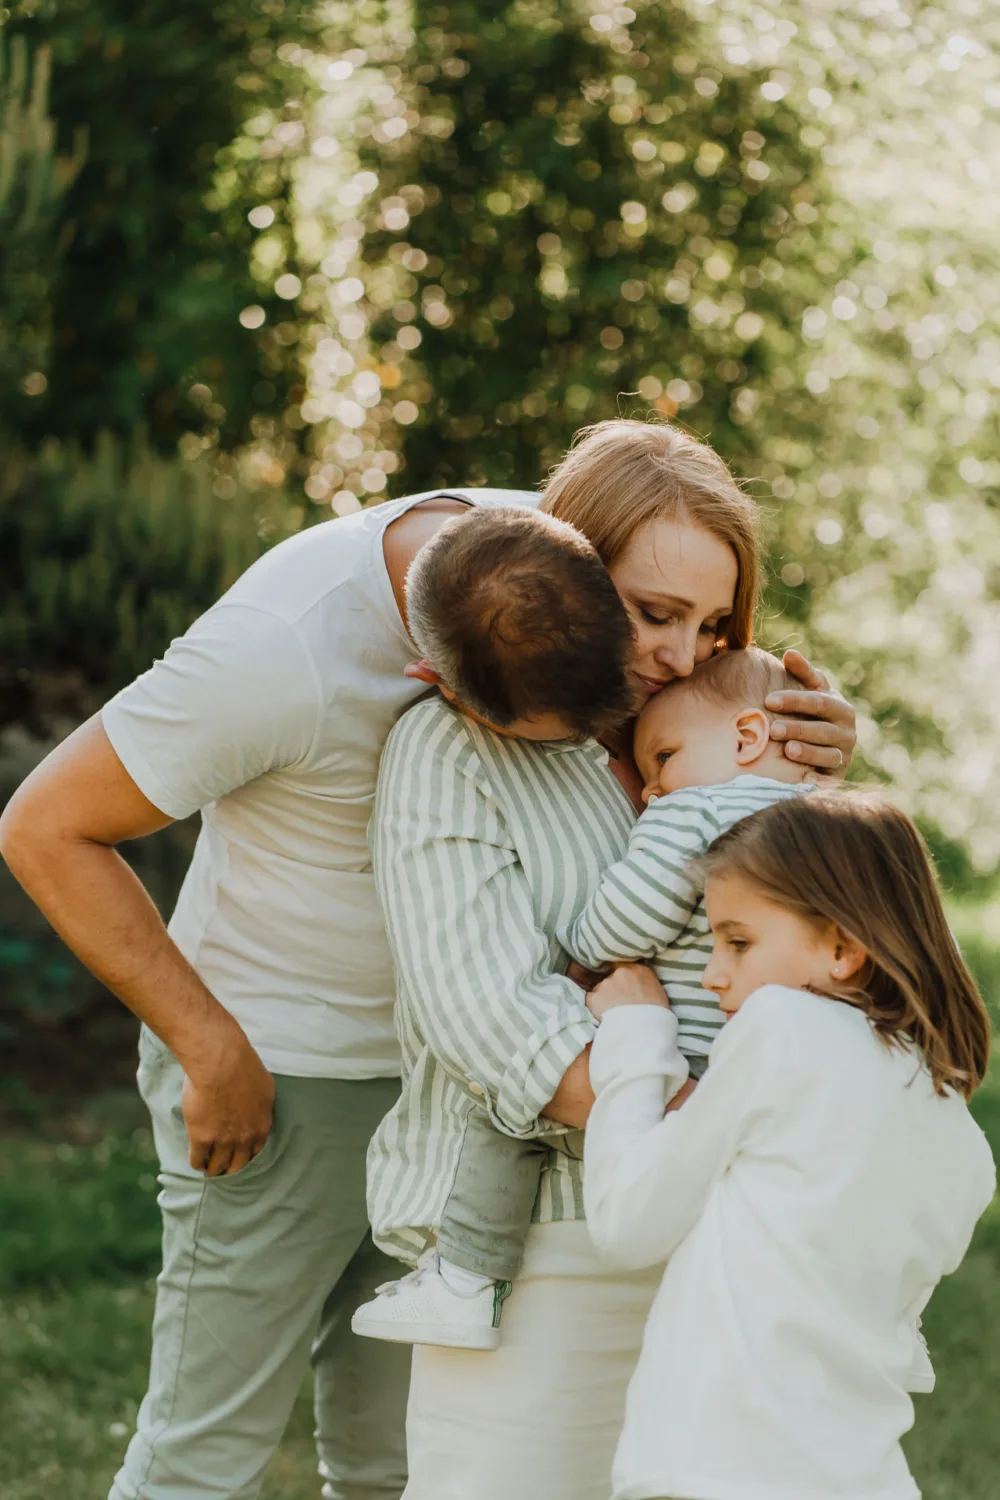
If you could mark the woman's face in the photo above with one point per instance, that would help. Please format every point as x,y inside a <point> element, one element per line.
<point>678,584</point>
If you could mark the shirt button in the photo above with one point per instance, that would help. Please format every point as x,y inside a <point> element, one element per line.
<point>475,1088</point>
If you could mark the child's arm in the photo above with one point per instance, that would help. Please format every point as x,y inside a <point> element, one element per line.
<point>647,1178</point>
<point>644,902</point>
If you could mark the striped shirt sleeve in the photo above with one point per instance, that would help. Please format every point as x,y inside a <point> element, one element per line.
<point>473,970</point>
<point>645,901</point>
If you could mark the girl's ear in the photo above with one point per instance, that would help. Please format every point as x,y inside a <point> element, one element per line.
<point>849,958</point>
<point>754,730</point>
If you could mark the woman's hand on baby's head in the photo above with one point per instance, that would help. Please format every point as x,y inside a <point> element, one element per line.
<point>630,984</point>
<point>824,736</point>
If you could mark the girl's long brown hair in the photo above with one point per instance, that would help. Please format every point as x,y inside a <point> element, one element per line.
<point>850,858</point>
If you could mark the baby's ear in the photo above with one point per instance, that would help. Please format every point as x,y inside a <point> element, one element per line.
<point>422,671</point>
<point>754,730</point>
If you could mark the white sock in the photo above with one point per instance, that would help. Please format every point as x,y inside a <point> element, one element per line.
<point>460,1281</point>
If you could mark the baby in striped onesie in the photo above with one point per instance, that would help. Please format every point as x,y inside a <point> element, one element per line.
<point>703,749</point>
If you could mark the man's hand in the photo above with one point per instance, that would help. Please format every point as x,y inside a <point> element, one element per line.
<point>825,736</point>
<point>630,984</point>
<point>58,835</point>
<point>228,1113</point>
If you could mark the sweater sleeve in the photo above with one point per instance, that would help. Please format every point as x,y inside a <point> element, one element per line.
<point>648,1177</point>
<point>644,901</point>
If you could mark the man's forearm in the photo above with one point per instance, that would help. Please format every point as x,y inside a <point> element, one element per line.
<point>101,910</point>
<point>58,835</point>
<point>103,913</point>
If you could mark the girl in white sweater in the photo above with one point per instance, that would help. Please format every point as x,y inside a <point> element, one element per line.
<point>822,1178</point>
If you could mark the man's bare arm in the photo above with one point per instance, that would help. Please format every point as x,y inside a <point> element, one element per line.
<point>58,836</point>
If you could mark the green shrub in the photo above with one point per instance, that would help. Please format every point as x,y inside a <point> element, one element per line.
<point>33,181</point>
<point>577,213</point>
<point>104,558</point>
<point>146,299</point>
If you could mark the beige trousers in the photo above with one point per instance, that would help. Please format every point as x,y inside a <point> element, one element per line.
<point>539,1418</point>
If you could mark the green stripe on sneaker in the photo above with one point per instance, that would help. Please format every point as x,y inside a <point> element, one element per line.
<point>501,1291</point>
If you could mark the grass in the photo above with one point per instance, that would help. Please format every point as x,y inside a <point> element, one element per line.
<point>79,1240</point>
<point>72,1372</point>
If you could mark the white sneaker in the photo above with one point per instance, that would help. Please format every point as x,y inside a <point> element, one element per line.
<point>421,1309</point>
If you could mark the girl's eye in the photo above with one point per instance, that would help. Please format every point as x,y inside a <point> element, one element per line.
<point>662,756</point>
<point>739,945</point>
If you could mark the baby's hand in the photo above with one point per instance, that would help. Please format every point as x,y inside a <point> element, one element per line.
<point>630,984</point>
<point>585,978</point>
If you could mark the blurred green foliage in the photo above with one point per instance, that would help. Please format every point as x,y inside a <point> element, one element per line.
<point>33,180</point>
<point>153,273</point>
<point>105,557</point>
<point>583,206</point>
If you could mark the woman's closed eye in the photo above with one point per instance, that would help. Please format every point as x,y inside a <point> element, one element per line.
<point>652,619</point>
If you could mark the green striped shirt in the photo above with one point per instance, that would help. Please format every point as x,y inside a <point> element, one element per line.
<point>483,848</point>
<point>651,906</point>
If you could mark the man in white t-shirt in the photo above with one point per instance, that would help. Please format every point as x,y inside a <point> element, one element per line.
<point>271,991</point>
<point>268,999</point>
<point>268,1055</point>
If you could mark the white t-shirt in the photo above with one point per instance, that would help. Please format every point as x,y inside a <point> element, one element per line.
<point>810,1195</point>
<point>269,716</point>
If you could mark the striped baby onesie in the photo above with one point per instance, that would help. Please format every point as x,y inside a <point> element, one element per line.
<point>650,906</point>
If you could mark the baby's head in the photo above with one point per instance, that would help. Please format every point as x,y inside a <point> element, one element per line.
<point>711,727</point>
<point>520,625</point>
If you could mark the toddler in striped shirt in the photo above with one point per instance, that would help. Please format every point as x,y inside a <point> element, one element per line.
<point>703,748</point>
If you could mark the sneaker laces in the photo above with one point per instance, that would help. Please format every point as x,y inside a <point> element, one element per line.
<point>412,1278</point>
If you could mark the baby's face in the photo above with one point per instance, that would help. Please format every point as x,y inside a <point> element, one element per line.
<point>683,739</point>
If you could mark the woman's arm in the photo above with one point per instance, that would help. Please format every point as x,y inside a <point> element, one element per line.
<point>647,1177</point>
<point>473,970</point>
<point>825,735</point>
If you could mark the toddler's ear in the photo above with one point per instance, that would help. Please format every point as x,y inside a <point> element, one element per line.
<point>754,730</point>
<point>422,671</point>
